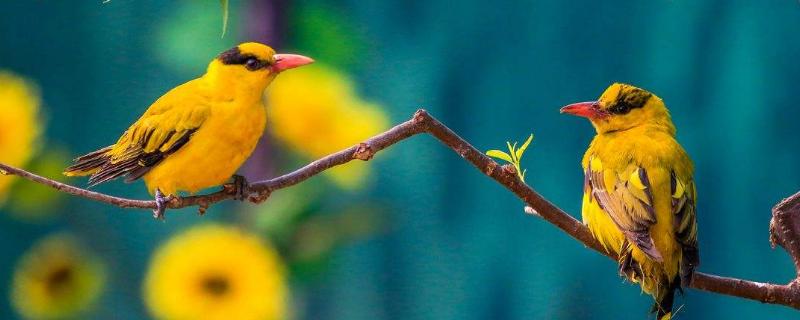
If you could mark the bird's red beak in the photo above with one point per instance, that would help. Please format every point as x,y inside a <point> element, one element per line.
<point>589,109</point>
<point>289,61</point>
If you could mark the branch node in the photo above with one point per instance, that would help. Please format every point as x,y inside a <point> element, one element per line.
<point>229,188</point>
<point>509,169</point>
<point>202,206</point>
<point>364,152</point>
<point>421,116</point>
<point>489,169</point>
<point>259,197</point>
<point>175,203</point>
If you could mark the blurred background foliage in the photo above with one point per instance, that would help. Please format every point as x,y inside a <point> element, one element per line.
<point>417,233</point>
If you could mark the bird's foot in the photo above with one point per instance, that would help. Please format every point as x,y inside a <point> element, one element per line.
<point>241,188</point>
<point>161,205</point>
<point>241,191</point>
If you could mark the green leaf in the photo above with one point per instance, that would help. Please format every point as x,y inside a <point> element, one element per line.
<point>524,146</point>
<point>499,155</point>
<point>511,151</point>
<point>224,4</point>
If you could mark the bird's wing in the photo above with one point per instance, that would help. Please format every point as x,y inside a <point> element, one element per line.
<point>685,223</point>
<point>626,197</point>
<point>161,131</point>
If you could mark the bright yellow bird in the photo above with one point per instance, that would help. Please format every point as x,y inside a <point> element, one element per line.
<point>198,134</point>
<point>639,195</point>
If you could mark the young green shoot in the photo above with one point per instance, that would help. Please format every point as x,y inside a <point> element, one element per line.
<point>514,155</point>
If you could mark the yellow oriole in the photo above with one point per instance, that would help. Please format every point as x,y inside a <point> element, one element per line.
<point>639,195</point>
<point>198,134</point>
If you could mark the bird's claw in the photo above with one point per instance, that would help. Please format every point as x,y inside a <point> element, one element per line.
<point>161,205</point>
<point>241,188</point>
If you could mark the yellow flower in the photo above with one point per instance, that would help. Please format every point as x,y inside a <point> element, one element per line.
<point>315,111</point>
<point>216,272</point>
<point>56,279</point>
<point>33,202</point>
<point>19,123</point>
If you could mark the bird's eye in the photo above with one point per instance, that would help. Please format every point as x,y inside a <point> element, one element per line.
<point>621,108</point>
<point>253,64</point>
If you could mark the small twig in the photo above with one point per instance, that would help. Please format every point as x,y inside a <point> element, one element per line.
<point>786,216</point>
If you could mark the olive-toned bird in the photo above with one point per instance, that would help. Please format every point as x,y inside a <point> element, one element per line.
<point>198,134</point>
<point>639,195</point>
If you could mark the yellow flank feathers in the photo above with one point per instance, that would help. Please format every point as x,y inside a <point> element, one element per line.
<point>198,134</point>
<point>639,195</point>
<point>636,180</point>
<point>679,189</point>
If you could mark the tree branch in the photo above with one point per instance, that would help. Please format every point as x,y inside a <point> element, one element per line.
<point>784,227</point>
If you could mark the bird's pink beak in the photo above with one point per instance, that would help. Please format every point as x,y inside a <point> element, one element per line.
<point>589,109</point>
<point>289,61</point>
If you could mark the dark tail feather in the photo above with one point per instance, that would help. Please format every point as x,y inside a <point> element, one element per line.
<point>112,171</point>
<point>664,301</point>
<point>88,164</point>
<point>690,261</point>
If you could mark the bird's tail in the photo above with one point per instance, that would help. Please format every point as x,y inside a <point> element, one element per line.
<point>665,299</point>
<point>88,164</point>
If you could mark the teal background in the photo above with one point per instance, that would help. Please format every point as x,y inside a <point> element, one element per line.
<point>460,246</point>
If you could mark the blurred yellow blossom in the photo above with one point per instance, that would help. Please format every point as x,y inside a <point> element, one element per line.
<point>34,202</point>
<point>19,124</point>
<point>216,272</point>
<point>315,111</point>
<point>56,279</point>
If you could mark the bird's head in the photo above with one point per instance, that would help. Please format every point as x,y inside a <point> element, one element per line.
<point>254,64</point>
<point>622,107</point>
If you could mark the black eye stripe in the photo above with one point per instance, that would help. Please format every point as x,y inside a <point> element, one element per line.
<point>627,101</point>
<point>234,56</point>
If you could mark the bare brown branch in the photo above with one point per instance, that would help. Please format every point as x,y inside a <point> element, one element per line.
<point>785,226</point>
